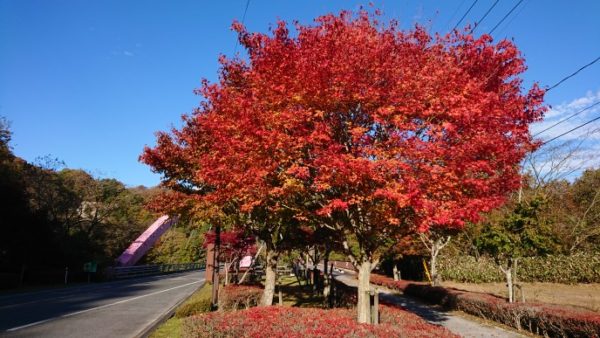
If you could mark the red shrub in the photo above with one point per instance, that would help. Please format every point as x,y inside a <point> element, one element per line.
<point>278,321</point>
<point>235,297</point>
<point>539,318</point>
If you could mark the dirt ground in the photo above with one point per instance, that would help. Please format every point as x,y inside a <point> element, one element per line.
<point>578,295</point>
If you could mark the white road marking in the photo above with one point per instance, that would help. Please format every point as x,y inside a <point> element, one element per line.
<point>98,307</point>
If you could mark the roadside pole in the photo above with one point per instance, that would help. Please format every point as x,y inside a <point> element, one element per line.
<point>215,272</point>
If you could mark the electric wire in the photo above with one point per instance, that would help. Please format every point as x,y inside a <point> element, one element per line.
<point>454,14</point>
<point>243,20</point>
<point>483,17</point>
<point>466,13</point>
<point>573,74</point>
<point>513,18</point>
<point>506,16</point>
<point>571,130</point>
<point>567,118</point>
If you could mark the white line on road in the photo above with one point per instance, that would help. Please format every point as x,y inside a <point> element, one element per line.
<point>98,307</point>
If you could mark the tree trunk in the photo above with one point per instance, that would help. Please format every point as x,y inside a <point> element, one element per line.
<point>306,274</point>
<point>364,286</point>
<point>316,279</point>
<point>509,281</point>
<point>515,281</point>
<point>270,278</point>
<point>435,279</point>
<point>215,276</point>
<point>237,271</point>
<point>326,273</point>
<point>396,272</point>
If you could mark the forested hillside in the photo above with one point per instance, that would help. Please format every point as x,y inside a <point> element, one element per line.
<point>53,217</point>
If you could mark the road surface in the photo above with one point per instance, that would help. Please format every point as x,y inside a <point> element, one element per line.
<point>113,309</point>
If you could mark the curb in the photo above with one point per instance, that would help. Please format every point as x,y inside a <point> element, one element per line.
<point>165,316</point>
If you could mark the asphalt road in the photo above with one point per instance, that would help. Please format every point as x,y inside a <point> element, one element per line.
<point>113,309</point>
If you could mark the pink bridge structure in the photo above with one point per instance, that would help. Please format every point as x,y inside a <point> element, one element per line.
<point>145,241</point>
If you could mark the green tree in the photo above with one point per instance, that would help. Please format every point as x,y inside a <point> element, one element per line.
<point>518,233</point>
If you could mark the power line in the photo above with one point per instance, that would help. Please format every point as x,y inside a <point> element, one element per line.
<point>572,130</point>
<point>570,76</point>
<point>506,16</point>
<point>463,17</point>
<point>454,14</point>
<point>567,118</point>
<point>243,20</point>
<point>513,18</point>
<point>484,16</point>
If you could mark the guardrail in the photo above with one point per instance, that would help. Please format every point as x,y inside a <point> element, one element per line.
<point>150,270</point>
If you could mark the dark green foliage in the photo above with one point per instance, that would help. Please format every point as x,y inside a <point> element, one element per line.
<point>181,244</point>
<point>51,219</point>
<point>578,268</point>
<point>520,233</point>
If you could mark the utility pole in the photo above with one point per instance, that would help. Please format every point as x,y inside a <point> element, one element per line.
<point>215,272</point>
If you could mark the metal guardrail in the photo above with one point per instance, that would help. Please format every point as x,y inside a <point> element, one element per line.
<point>284,270</point>
<point>150,270</point>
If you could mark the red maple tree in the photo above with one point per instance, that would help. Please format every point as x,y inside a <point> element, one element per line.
<point>372,130</point>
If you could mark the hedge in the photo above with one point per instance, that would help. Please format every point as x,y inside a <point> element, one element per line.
<point>236,297</point>
<point>293,322</point>
<point>538,318</point>
<point>579,268</point>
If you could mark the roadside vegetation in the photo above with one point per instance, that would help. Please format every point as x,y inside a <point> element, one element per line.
<point>304,313</point>
<point>53,217</point>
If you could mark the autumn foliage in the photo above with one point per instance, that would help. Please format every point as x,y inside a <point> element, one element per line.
<point>361,113</point>
<point>234,244</point>
<point>371,130</point>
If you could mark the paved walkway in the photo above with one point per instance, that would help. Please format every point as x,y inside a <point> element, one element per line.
<point>455,323</point>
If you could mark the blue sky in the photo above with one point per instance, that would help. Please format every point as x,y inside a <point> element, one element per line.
<point>89,82</point>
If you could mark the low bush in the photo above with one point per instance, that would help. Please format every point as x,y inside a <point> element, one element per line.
<point>343,295</point>
<point>280,321</point>
<point>543,319</point>
<point>235,297</point>
<point>578,268</point>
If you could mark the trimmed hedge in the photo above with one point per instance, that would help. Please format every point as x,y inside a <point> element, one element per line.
<point>231,297</point>
<point>293,322</point>
<point>579,268</point>
<point>236,297</point>
<point>538,318</point>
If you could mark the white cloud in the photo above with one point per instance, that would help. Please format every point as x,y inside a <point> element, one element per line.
<point>564,110</point>
<point>127,53</point>
<point>568,155</point>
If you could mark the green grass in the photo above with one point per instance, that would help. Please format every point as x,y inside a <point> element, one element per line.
<point>198,302</point>
<point>294,294</point>
<point>169,329</point>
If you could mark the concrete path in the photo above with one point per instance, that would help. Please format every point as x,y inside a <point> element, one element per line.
<point>113,309</point>
<point>457,324</point>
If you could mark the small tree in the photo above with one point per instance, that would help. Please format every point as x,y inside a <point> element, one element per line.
<point>233,246</point>
<point>517,234</point>
<point>434,241</point>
